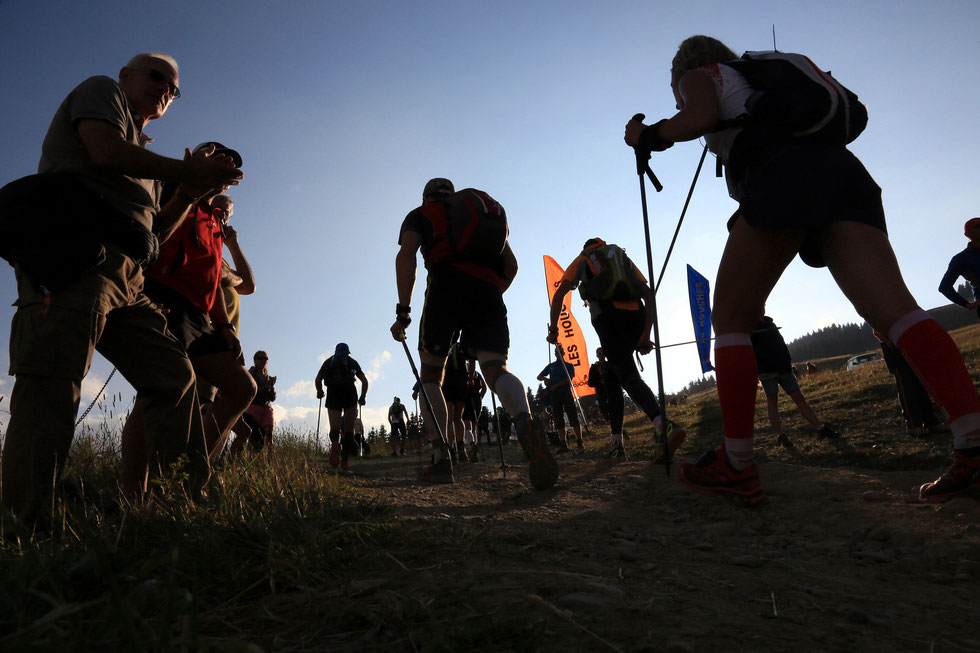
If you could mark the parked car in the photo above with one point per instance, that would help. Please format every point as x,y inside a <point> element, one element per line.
<point>864,359</point>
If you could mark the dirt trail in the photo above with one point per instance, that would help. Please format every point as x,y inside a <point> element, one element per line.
<point>836,559</point>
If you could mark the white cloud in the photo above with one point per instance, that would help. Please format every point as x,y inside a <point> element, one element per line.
<point>374,372</point>
<point>91,385</point>
<point>282,413</point>
<point>304,389</point>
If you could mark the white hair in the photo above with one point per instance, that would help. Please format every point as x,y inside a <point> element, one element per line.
<point>144,56</point>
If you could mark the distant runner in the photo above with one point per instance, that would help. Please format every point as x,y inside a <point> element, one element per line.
<point>556,376</point>
<point>338,373</point>
<point>966,264</point>
<point>398,421</point>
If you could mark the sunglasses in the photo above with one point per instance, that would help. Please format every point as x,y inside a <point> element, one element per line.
<point>158,77</point>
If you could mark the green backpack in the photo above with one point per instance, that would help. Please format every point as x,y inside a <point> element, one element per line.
<point>608,275</point>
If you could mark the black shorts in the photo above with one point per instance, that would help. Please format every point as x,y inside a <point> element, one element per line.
<point>454,387</point>
<point>469,410</point>
<point>455,302</point>
<point>340,397</point>
<point>563,404</point>
<point>809,186</point>
<point>185,322</point>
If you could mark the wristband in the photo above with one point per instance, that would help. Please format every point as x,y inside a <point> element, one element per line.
<point>403,320</point>
<point>650,140</point>
<point>402,308</point>
<point>552,329</point>
<point>229,325</point>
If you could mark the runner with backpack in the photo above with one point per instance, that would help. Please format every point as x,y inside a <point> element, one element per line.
<point>616,292</point>
<point>338,373</point>
<point>779,126</point>
<point>463,238</point>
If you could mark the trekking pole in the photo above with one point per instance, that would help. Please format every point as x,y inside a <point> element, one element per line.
<point>641,168</point>
<point>425,395</point>
<point>319,410</point>
<point>687,202</point>
<point>500,444</point>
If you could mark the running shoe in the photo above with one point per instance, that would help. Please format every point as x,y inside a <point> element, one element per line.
<point>675,437</point>
<point>827,433</point>
<point>616,453</point>
<point>713,475</point>
<point>960,477</point>
<point>334,454</point>
<point>542,468</point>
<point>440,472</point>
<point>784,440</point>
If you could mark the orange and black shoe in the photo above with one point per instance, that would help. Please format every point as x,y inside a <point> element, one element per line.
<point>962,475</point>
<point>334,454</point>
<point>675,438</point>
<point>543,470</point>
<point>713,475</point>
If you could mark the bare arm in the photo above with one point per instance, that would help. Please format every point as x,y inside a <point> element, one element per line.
<point>698,115</point>
<point>405,273</point>
<point>364,386</point>
<point>508,268</point>
<point>243,270</point>
<point>557,301</point>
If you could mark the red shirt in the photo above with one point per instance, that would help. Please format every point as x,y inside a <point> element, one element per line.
<point>190,260</point>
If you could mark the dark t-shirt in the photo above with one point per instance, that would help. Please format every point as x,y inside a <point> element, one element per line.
<point>966,264</point>
<point>771,353</point>
<point>339,372</point>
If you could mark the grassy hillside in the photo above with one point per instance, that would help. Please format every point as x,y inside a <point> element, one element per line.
<point>285,554</point>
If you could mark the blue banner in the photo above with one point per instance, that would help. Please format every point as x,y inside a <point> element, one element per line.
<point>697,289</point>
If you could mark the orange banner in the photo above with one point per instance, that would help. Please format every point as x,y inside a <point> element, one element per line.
<point>570,336</point>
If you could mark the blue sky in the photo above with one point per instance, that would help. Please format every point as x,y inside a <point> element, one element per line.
<point>342,111</point>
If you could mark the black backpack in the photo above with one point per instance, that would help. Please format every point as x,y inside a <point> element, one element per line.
<point>339,372</point>
<point>467,225</point>
<point>793,98</point>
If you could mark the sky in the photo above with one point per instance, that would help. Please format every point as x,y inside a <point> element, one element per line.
<point>343,110</point>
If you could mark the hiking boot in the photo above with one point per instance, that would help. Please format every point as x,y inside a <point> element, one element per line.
<point>827,433</point>
<point>343,465</point>
<point>334,454</point>
<point>580,445</point>
<point>675,437</point>
<point>440,472</point>
<point>475,453</point>
<point>461,453</point>
<point>960,477</point>
<point>563,447</point>
<point>616,453</point>
<point>542,468</point>
<point>713,475</point>
<point>784,440</point>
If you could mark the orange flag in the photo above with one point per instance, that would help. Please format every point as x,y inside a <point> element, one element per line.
<point>570,336</point>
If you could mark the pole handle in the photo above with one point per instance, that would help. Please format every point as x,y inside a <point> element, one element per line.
<point>641,161</point>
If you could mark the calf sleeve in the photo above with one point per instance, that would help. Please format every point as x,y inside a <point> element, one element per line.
<point>335,435</point>
<point>512,394</point>
<point>939,365</point>
<point>737,374</point>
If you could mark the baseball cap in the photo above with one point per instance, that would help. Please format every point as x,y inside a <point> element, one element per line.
<point>342,348</point>
<point>436,186</point>
<point>970,224</point>
<point>221,149</point>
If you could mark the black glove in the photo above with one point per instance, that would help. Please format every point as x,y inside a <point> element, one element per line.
<point>650,141</point>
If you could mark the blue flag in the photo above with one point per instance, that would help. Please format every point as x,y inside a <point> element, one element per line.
<point>697,289</point>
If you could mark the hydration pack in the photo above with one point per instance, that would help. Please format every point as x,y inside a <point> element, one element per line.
<point>793,98</point>
<point>608,275</point>
<point>339,371</point>
<point>468,226</point>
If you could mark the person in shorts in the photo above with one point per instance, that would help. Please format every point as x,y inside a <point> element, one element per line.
<point>338,373</point>
<point>815,199</point>
<point>776,371</point>
<point>261,406</point>
<point>558,375</point>
<point>463,295</point>
<point>398,421</point>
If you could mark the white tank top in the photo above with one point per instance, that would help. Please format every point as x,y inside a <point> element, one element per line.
<point>732,91</point>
